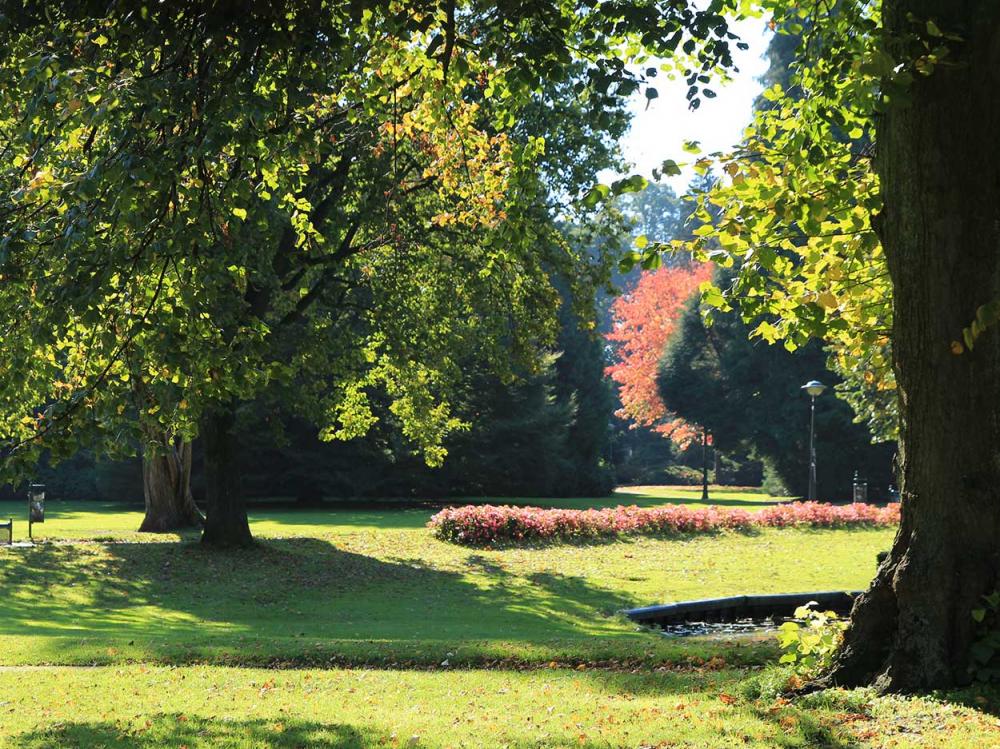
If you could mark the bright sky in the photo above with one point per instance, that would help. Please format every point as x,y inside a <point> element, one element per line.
<point>659,132</point>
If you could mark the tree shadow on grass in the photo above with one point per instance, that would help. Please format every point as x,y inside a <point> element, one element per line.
<point>332,517</point>
<point>176,730</point>
<point>555,601</point>
<point>796,729</point>
<point>283,588</point>
<point>983,698</point>
<point>809,730</point>
<point>191,732</point>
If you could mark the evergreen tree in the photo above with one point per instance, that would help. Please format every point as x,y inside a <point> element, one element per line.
<point>747,393</point>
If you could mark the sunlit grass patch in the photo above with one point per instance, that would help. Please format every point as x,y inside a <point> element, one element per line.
<point>201,706</point>
<point>352,594</point>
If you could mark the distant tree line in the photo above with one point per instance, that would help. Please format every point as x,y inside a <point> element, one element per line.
<point>747,393</point>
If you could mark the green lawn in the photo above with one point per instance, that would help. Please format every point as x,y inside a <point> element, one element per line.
<point>381,633</point>
<point>107,520</point>
<point>650,496</point>
<point>206,706</point>
<point>375,586</point>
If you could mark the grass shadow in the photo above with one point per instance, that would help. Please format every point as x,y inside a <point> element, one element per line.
<point>178,597</point>
<point>177,730</point>
<point>331,516</point>
<point>340,725</point>
<point>983,698</point>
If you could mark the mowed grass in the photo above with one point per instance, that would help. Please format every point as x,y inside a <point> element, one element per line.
<point>211,706</point>
<point>373,586</point>
<point>113,521</point>
<point>354,627</point>
<point>652,496</point>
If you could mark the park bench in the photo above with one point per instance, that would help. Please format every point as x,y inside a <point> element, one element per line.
<point>36,514</point>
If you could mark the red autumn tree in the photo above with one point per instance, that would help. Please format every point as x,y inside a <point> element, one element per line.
<point>643,321</point>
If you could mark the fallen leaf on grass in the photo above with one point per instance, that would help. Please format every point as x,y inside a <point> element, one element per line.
<point>788,722</point>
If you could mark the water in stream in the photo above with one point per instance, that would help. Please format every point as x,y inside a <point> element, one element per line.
<point>719,629</point>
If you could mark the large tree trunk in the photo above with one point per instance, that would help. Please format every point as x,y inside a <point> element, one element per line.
<point>940,169</point>
<point>166,486</point>
<point>225,509</point>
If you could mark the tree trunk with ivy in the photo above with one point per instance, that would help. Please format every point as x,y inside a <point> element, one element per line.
<point>939,167</point>
<point>166,487</point>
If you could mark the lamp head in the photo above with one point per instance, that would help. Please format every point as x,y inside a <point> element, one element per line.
<point>814,388</point>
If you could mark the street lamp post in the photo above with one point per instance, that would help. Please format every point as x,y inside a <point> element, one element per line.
<point>814,388</point>
<point>704,465</point>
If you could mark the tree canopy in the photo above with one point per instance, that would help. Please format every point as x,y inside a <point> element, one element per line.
<point>644,318</point>
<point>318,201</point>
<point>793,212</point>
<point>852,213</point>
<point>308,201</point>
<point>748,394</point>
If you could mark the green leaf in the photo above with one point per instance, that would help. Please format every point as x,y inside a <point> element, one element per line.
<point>670,168</point>
<point>628,261</point>
<point>635,183</point>
<point>981,652</point>
<point>240,213</point>
<point>713,297</point>
<point>595,195</point>
<point>651,260</point>
<point>627,88</point>
<point>877,64</point>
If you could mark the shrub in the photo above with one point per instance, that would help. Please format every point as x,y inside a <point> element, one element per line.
<point>809,646</point>
<point>985,651</point>
<point>487,525</point>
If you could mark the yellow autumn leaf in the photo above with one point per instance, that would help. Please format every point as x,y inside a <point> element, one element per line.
<point>827,300</point>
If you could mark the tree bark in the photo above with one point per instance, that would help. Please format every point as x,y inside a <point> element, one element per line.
<point>166,486</point>
<point>939,167</point>
<point>226,516</point>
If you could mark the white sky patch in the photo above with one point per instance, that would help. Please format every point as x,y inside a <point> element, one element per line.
<point>658,133</point>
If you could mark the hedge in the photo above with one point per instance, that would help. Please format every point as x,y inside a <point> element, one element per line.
<point>488,525</point>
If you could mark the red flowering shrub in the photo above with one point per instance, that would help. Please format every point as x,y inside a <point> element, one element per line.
<point>486,525</point>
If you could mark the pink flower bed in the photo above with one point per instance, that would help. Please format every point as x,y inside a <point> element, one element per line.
<point>486,525</point>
